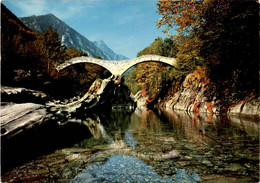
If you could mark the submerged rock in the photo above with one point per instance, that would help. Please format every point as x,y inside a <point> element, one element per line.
<point>234,167</point>
<point>129,169</point>
<point>120,169</point>
<point>182,176</point>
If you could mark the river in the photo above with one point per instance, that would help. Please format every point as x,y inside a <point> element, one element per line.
<point>142,146</point>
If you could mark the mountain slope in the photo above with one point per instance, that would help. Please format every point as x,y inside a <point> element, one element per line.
<point>15,37</point>
<point>110,53</point>
<point>70,37</point>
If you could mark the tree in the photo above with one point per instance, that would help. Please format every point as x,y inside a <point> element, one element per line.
<point>230,43</point>
<point>226,34</point>
<point>73,52</point>
<point>169,48</point>
<point>55,52</point>
<point>153,77</point>
<point>187,15</point>
<point>154,48</point>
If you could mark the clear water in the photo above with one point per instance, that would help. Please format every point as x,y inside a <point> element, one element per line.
<point>143,146</point>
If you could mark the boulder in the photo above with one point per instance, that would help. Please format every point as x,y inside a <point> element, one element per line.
<point>16,118</point>
<point>102,93</point>
<point>140,101</point>
<point>22,95</point>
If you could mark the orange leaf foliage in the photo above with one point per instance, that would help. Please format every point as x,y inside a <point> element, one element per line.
<point>209,106</point>
<point>186,14</point>
<point>143,93</point>
<point>196,107</point>
<point>182,13</point>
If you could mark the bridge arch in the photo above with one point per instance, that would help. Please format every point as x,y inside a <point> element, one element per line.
<point>117,67</point>
<point>126,70</point>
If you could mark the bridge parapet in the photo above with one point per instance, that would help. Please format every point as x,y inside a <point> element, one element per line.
<point>117,67</point>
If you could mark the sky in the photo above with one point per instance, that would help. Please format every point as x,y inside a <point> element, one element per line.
<point>127,26</point>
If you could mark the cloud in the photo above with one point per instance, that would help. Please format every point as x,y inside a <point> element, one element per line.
<point>30,7</point>
<point>129,15</point>
<point>66,12</point>
<point>63,9</point>
<point>124,20</point>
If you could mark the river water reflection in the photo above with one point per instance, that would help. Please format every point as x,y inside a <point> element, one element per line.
<point>145,146</point>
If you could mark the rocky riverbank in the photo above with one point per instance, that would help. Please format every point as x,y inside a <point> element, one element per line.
<point>22,95</point>
<point>22,109</point>
<point>198,95</point>
<point>16,118</point>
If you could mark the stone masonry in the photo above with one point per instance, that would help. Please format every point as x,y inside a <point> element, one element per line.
<point>118,67</point>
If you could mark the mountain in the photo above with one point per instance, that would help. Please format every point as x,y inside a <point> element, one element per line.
<point>110,53</point>
<point>69,37</point>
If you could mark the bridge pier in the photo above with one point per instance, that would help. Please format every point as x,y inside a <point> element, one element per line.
<point>117,79</point>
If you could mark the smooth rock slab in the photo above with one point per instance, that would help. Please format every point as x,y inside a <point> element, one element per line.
<point>15,118</point>
<point>22,95</point>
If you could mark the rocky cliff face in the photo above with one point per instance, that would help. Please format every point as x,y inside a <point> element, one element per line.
<point>103,94</point>
<point>141,102</point>
<point>195,96</point>
<point>250,106</point>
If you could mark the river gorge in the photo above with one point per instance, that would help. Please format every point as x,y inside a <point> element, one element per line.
<point>127,144</point>
<point>124,91</point>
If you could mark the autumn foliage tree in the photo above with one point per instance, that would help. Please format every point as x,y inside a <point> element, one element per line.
<point>17,55</point>
<point>230,43</point>
<point>186,15</point>
<point>225,34</point>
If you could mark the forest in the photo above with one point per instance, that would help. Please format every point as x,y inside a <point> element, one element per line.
<point>216,39</point>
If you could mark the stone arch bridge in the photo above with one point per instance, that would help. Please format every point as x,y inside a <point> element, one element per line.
<point>118,67</point>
